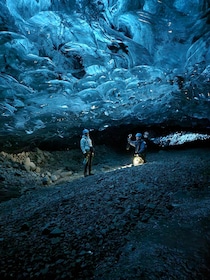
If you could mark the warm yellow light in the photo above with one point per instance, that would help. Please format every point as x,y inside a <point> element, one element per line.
<point>137,161</point>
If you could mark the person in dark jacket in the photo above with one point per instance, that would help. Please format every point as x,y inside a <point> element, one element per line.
<point>86,146</point>
<point>140,146</point>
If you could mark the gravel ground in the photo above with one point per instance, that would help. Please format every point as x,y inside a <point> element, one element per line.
<point>146,222</point>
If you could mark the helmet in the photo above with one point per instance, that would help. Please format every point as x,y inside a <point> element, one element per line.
<point>85,131</point>
<point>138,134</point>
<point>146,134</point>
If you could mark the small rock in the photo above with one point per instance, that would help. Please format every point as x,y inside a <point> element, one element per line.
<point>54,178</point>
<point>32,166</point>
<point>46,181</point>
<point>56,232</point>
<point>38,170</point>
<point>25,227</point>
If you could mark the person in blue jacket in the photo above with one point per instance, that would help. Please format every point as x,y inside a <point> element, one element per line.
<point>139,144</point>
<point>86,146</point>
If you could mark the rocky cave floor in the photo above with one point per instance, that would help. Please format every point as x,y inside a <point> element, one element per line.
<point>146,222</point>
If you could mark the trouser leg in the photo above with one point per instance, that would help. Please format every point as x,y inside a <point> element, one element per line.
<point>90,164</point>
<point>86,165</point>
<point>85,169</point>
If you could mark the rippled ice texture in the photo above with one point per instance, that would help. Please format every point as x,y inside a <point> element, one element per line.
<point>67,64</point>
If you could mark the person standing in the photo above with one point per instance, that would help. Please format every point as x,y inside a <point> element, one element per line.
<point>139,144</point>
<point>146,138</point>
<point>150,142</point>
<point>86,146</point>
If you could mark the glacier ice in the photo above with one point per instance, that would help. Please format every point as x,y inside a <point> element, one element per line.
<point>72,64</point>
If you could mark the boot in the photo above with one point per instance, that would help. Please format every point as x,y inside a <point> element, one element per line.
<point>85,174</point>
<point>90,173</point>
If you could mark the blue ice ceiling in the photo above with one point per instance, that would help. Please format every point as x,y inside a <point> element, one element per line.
<point>69,64</point>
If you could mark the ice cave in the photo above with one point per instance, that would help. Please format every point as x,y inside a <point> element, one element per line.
<point>105,65</point>
<point>114,68</point>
